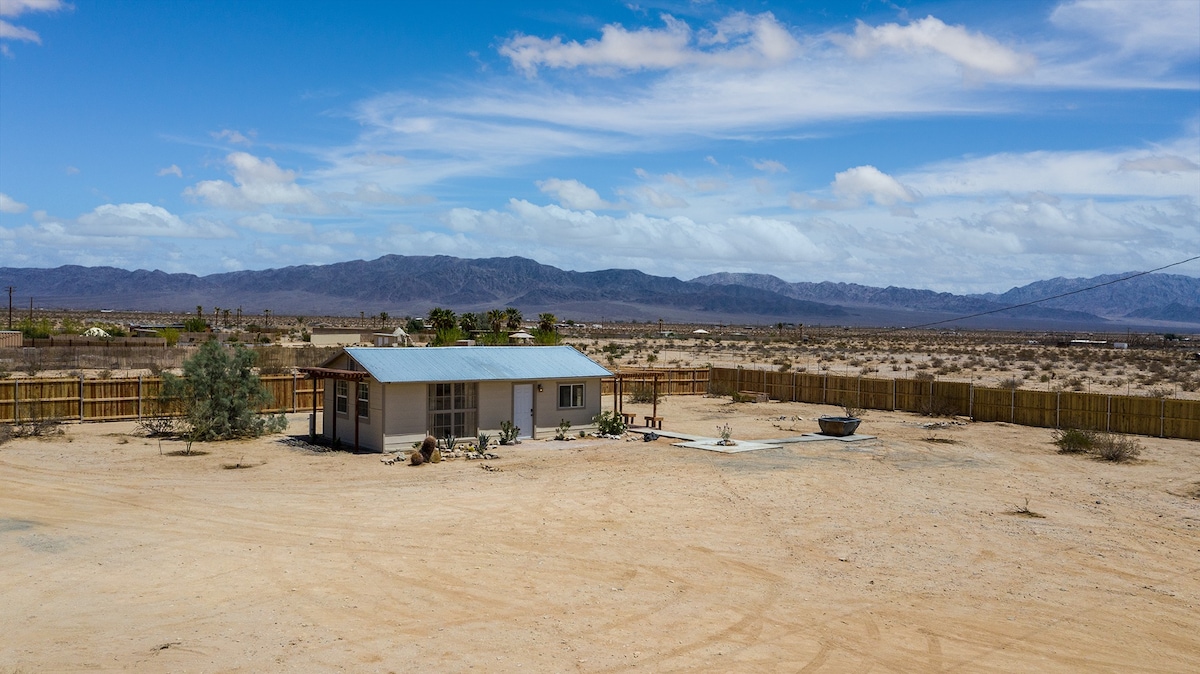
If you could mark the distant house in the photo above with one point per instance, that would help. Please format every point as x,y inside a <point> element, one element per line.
<point>339,337</point>
<point>386,399</point>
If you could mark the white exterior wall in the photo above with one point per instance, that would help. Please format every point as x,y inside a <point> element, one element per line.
<point>398,414</point>
<point>547,415</point>
<point>495,405</point>
<point>406,415</point>
<point>370,428</point>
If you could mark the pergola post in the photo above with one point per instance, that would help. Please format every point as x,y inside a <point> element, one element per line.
<point>654,397</point>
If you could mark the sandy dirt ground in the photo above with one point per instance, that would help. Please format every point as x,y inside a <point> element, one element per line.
<point>899,554</point>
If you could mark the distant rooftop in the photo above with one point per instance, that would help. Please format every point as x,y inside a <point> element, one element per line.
<point>475,363</point>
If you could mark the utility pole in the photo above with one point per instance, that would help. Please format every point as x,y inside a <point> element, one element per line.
<point>10,292</point>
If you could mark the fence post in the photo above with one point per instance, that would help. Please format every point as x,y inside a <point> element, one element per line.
<point>139,406</point>
<point>1012,409</point>
<point>1108,414</point>
<point>81,397</point>
<point>293,392</point>
<point>17,401</point>
<point>825,388</point>
<point>1162,417</point>
<point>1058,409</point>
<point>971,400</point>
<point>893,395</point>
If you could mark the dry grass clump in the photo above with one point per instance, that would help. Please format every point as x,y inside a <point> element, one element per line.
<point>1075,440</point>
<point>1118,448</point>
<point>1106,446</point>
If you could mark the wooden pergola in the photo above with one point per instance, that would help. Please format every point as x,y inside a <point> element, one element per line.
<point>320,373</point>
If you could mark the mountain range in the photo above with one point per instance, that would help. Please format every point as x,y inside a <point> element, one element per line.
<point>413,285</point>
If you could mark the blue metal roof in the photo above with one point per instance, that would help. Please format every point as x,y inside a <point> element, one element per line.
<point>475,363</point>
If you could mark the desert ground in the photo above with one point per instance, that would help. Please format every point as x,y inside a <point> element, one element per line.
<point>904,553</point>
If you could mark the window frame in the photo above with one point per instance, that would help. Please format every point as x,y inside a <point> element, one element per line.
<point>572,388</point>
<point>452,408</point>
<point>341,396</point>
<point>364,400</point>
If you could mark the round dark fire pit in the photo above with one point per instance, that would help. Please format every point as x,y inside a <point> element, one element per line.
<point>839,427</point>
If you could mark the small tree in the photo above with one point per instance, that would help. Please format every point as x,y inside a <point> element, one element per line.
<point>442,319</point>
<point>220,394</point>
<point>495,320</point>
<point>469,322</point>
<point>512,318</point>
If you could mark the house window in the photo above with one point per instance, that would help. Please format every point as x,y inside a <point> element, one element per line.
<point>453,409</point>
<point>570,395</point>
<point>364,399</point>
<point>341,393</point>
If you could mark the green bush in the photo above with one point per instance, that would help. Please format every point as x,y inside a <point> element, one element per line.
<point>609,423</point>
<point>1075,440</point>
<point>219,395</point>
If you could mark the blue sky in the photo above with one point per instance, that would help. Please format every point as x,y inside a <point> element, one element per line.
<point>958,146</point>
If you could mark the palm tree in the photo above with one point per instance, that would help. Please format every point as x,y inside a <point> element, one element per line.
<point>383,318</point>
<point>441,319</point>
<point>546,322</point>
<point>512,318</point>
<point>495,318</point>
<point>469,322</point>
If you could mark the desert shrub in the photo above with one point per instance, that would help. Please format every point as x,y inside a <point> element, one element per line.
<point>5,433</point>
<point>156,427</point>
<point>1075,440</point>
<point>609,423</point>
<point>219,395</point>
<point>564,427</point>
<point>937,406</point>
<point>1011,383</point>
<point>644,393</point>
<point>1117,448</point>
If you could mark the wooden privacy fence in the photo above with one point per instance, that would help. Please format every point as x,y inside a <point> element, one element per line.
<point>115,399</point>
<point>671,381</point>
<point>1163,417</point>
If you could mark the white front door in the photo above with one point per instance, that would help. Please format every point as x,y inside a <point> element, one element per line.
<point>523,409</point>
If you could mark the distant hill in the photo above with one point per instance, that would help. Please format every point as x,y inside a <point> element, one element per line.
<point>1166,297</point>
<point>403,285</point>
<point>1160,297</point>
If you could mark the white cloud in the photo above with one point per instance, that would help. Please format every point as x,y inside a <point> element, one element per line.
<point>15,8</point>
<point>234,136</point>
<point>573,194</point>
<point>171,170</point>
<point>856,187</point>
<point>975,52</point>
<point>863,182</point>
<point>11,32</point>
<point>655,198</point>
<point>579,234</point>
<point>737,41</point>
<point>259,182</point>
<point>1154,27</point>
<point>1159,164</point>
<point>142,219</point>
<point>769,166</point>
<point>1128,173</point>
<point>269,224</point>
<point>10,205</point>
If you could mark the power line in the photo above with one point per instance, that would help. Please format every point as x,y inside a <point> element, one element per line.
<point>1047,299</point>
